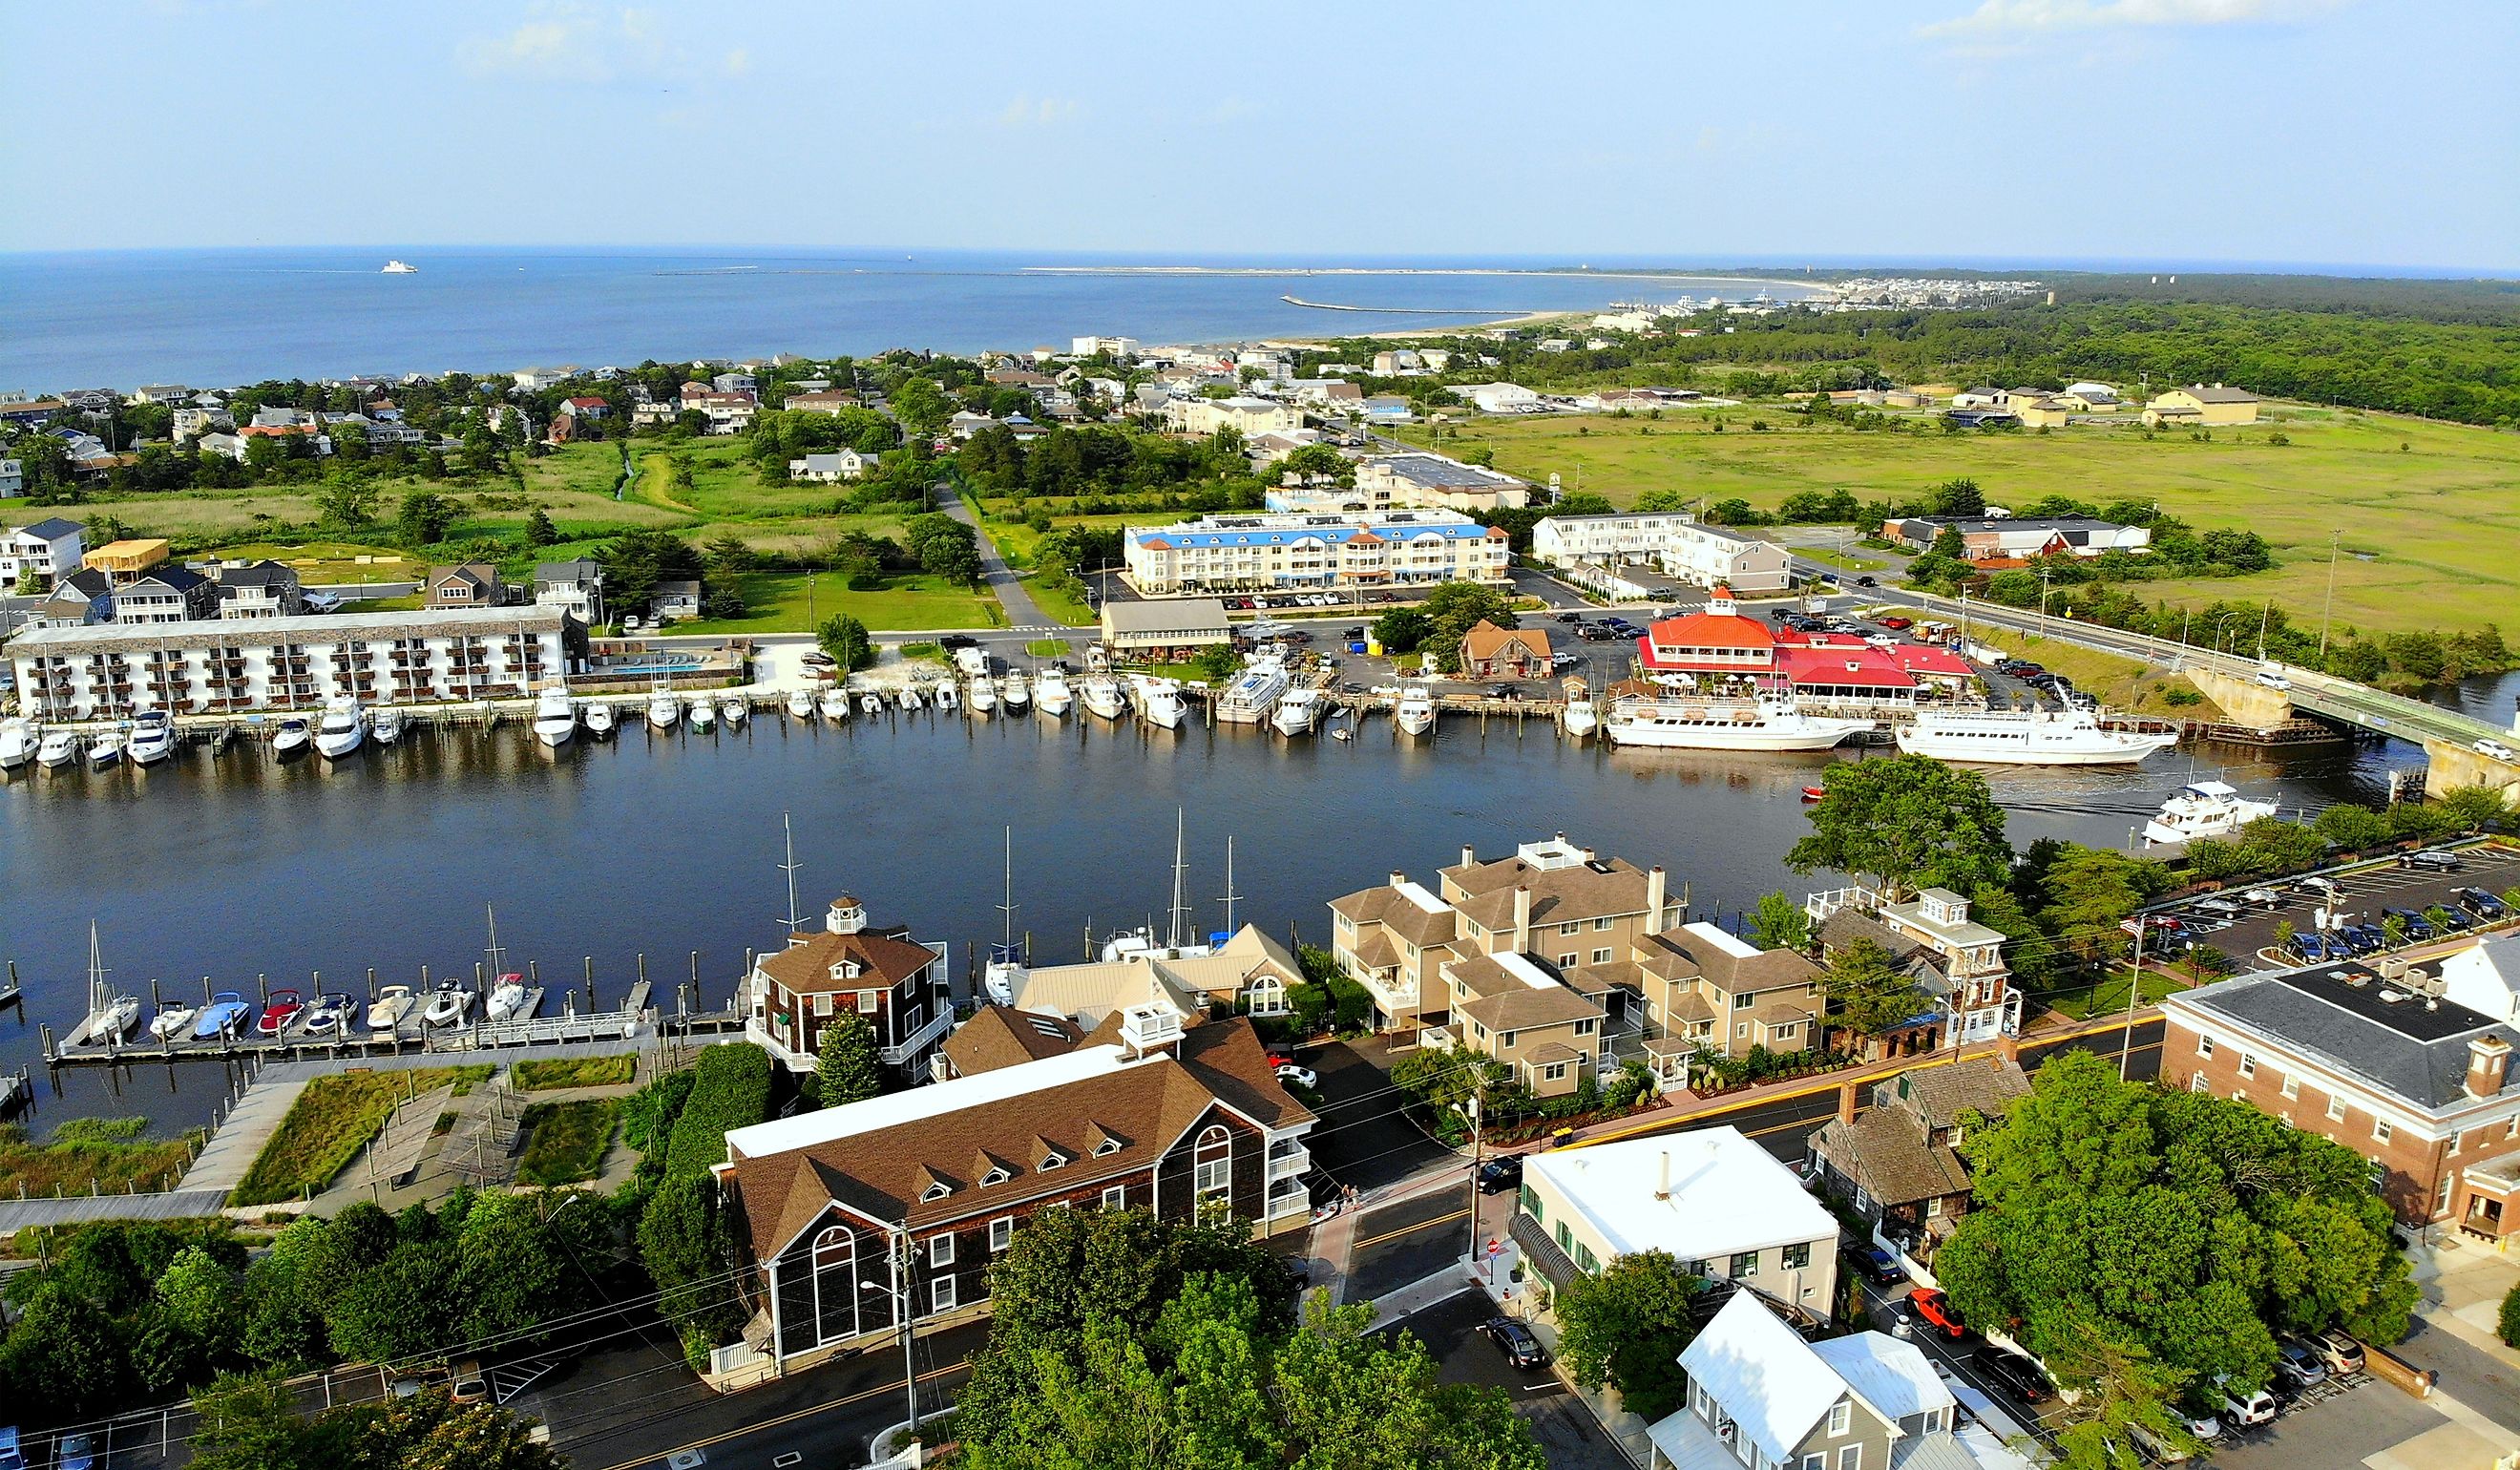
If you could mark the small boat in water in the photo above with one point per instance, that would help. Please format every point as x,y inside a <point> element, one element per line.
<point>1160,703</point>
<point>1018,692</point>
<point>871,703</point>
<point>1579,719</point>
<point>1102,698</point>
<point>507,1001</point>
<point>599,719</point>
<point>391,1004</point>
<point>110,1013</point>
<point>664,711</point>
<point>947,696</point>
<point>801,704</point>
<point>18,741</point>
<point>1814,793</point>
<point>105,750</point>
<point>326,1015</point>
<point>342,731</point>
<point>702,714</point>
<point>384,726</point>
<point>173,1021</point>
<point>554,719</point>
<point>224,1016</point>
<point>1254,691</point>
<point>983,696</point>
<point>290,739</point>
<point>2203,809</point>
<point>910,697</point>
<point>1051,696</point>
<point>1298,710</point>
<point>448,1007</point>
<point>153,738</point>
<point>835,704</point>
<point>58,748</point>
<point>1416,709</point>
<point>735,710</point>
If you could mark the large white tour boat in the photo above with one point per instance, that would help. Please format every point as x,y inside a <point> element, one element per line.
<point>1766,722</point>
<point>2026,738</point>
<point>1254,691</point>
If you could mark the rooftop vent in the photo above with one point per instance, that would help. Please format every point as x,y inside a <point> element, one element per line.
<point>2390,997</point>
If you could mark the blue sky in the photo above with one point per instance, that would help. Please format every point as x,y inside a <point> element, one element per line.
<point>2325,131</point>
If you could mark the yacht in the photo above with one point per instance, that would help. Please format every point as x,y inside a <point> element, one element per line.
<point>2203,809</point>
<point>910,697</point>
<point>1159,700</point>
<point>599,719</point>
<point>1254,691</point>
<point>870,702</point>
<point>1018,692</point>
<point>1579,719</point>
<point>399,268</point>
<point>834,703</point>
<point>734,709</point>
<point>342,731</point>
<point>1415,711</point>
<point>507,1001</point>
<point>983,696</point>
<point>702,714</point>
<point>1102,695</point>
<point>153,738</point>
<point>105,751</point>
<point>391,1004</point>
<point>384,726</point>
<point>1296,710</point>
<point>663,710</point>
<point>18,741</point>
<point>2026,738</point>
<point>59,748</point>
<point>1051,696</point>
<point>291,738</point>
<point>801,704</point>
<point>946,695</point>
<point>448,1007</point>
<point>1763,722</point>
<point>554,719</point>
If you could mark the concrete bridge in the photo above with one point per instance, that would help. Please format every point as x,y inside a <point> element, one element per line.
<point>2265,696</point>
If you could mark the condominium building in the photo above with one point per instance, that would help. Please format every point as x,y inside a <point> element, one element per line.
<point>1236,552</point>
<point>1672,542</point>
<point>207,666</point>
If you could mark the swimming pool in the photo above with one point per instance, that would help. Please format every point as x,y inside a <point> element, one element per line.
<point>647,663</point>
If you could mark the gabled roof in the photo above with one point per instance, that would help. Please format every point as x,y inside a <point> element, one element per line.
<point>999,1036</point>
<point>1486,641</point>
<point>883,960</point>
<point>1730,963</point>
<point>1558,895</point>
<point>1407,909</point>
<point>53,528</point>
<point>1766,1378</point>
<point>1882,1153</point>
<point>1985,1085</point>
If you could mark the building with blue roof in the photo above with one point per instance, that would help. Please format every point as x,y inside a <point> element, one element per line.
<point>1314,551</point>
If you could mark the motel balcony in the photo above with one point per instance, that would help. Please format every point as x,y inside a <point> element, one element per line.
<point>1288,1159</point>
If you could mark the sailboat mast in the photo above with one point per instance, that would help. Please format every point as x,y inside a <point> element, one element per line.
<point>1229,894</point>
<point>1173,920</point>
<point>788,827</point>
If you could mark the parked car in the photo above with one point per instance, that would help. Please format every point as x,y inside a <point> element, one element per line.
<point>467,1384</point>
<point>2262,898</point>
<point>2369,938</point>
<point>953,640</point>
<point>1521,1347</point>
<point>2481,903</point>
<point>2430,861</point>
<point>2321,887</point>
<point>2412,924</point>
<point>2244,1407</point>
<point>1865,581</point>
<point>2451,918</point>
<point>1877,1265</point>
<point>1935,1308</point>
<point>2015,1374</point>
<point>283,1008</point>
<point>1570,617</point>
<point>78,1451</point>
<point>1497,1176</point>
<point>2339,1350</point>
<point>1299,1075</point>
<point>2309,949</point>
<point>2298,1363</point>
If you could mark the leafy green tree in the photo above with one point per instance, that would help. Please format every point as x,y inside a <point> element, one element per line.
<point>250,1422</point>
<point>2352,828</point>
<point>944,547</point>
<point>198,1294</point>
<point>1907,823</point>
<point>845,640</point>
<point>424,519</point>
<point>1778,922</point>
<point>1402,630</point>
<point>2089,892</point>
<point>1349,1402</point>
<point>1215,665</point>
<point>2506,1322</point>
<point>1313,462</point>
<point>635,562</point>
<point>2470,808</point>
<point>728,553</point>
<point>539,530</point>
<point>1626,1327</point>
<point>1865,990</point>
<point>921,405</point>
<point>1451,609</point>
<point>65,1356</point>
<point>846,1068</point>
<point>347,502</point>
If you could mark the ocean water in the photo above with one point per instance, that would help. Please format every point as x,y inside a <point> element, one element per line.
<point>206,317</point>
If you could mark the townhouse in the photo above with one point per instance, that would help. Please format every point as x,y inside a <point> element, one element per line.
<point>1389,480</point>
<point>1673,542</point>
<point>898,984</point>
<point>576,587</point>
<point>1370,550</point>
<point>166,594</point>
<point>51,547</point>
<point>1898,1160</point>
<point>1707,991</point>
<point>257,590</point>
<point>1248,417</point>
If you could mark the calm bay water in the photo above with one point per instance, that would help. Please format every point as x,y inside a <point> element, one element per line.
<point>231,865</point>
<point>216,317</point>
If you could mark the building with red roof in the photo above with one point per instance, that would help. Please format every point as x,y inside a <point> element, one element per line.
<point>1717,641</point>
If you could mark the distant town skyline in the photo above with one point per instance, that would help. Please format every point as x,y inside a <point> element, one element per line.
<point>2189,133</point>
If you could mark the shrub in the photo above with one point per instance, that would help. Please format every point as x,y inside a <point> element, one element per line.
<point>2507,1325</point>
<point>730,1089</point>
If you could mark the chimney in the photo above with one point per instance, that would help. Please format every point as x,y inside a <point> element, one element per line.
<point>1662,1177</point>
<point>1657,893</point>
<point>2488,1057</point>
<point>1398,877</point>
<point>1469,856</point>
<point>1521,918</point>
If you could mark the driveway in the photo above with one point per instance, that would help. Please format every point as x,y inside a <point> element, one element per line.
<point>1569,1436</point>
<point>1022,611</point>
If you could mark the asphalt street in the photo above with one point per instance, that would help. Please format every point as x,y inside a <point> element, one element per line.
<point>1364,1139</point>
<point>1569,1436</point>
<point>1408,1241</point>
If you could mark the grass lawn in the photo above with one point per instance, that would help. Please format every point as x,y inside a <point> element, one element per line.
<point>575,1072</point>
<point>565,1142</point>
<point>1048,647</point>
<point>411,602</point>
<point>2120,684</point>
<point>89,1154</point>
<point>2437,519</point>
<point>1839,560</point>
<point>593,467</point>
<point>319,562</point>
<point>2109,997</point>
<point>330,1122</point>
<point>782,602</point>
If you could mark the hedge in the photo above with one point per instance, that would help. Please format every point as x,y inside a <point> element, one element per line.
<point>730,1089</point>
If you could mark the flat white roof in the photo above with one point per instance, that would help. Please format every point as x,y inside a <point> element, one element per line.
<point>1524,970</point>
<point>1416,893</point>
<point>1730,944</point>
<point>899,1109</point>
<point>1726,1194</point>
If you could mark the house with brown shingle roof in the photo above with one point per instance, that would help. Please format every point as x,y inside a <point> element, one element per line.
<point>1489,652</point>
<point>1390,939</point>
<point>897,983</point>
<point>1558,901</point>
<point>1899,1162</point>
<point>468,586</point>
<point>1510,1007</point>
<point>1182,1122</point>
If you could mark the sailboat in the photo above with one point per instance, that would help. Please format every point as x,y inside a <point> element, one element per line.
<point>507,999</point>
<point>1005,971</point>
<point>111,1015</point>
<point>1140,943</point>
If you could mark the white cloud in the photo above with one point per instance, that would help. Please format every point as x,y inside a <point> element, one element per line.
<point>1026,112</point>
<point>574,40</point>
<point>2030,16</point>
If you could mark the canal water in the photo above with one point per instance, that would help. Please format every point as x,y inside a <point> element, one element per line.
<point>229,867</point>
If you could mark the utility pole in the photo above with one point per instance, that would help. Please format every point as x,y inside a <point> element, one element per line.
<point>901,1261</point>
<point>2134,992</point>
<point>1478,1089</point>
<point>2335,544</point>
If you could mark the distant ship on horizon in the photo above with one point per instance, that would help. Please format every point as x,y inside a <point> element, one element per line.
<point>399,268</point>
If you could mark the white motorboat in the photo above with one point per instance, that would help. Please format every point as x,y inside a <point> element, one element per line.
<point>105,751</point>
<point>733,710</point>
<point>599,719</point>
<point>1018,692</point>
<point>18,741</point>
<point>1051,696</point>
<point>1763,722</point>
<point>384,726</point>
<point>1102,695</point>
<point>342,731</point>
<point>835,704</point>
<point>910,697</point>
<point>984,698</point>
<point>325,1015</point>
<point>153,738</point>
<point>171,1021</point>
<point>1253,693</point>
<point>554,719</point>
<point>664,711</point>
<point>971,663</point>
<point>450,1004</point>
<point>2203,809</point>
<point>1159,701</point>
<point>391,1004</point>
<point>871,703</point>
<point>2026,738</point>
<point>399,268</point>
<point>947,696</point>
<point>801,704</point>
<point>1298,710</point>
<point>58,748</point>
<point>1416,709</point>
<point>1580,718</point>
<point>507,1001</point>
<point>291,738</point>
<point>702,714</point>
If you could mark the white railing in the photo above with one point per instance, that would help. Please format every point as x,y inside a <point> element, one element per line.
<point>1287,1160</point>
<point>917,1041</point>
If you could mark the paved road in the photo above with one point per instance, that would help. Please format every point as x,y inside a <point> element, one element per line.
<point>1397,1244</point>
<point>1364,1141</point>
<point>1021,611</point>
<point>1569,1436</point>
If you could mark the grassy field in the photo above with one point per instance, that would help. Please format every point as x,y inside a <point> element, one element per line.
<point>2428,512</point>
<point>565,1142</point>
<point>2109,997</point>
<point>319,561</point>
<point>782,602</point>
<point>575,1072</point>
<point>88,1154</point>
<point>330,1122</point>
<point>2120,685</point>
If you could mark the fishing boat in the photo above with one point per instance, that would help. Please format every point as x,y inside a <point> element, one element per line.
<point>342,731</point>
<point>1018,692</point>
<point>734,709</point>
<point>105,751</point>
<point>1051,696</point>
<point>507,1001</point>
<point>1159,701</point>
<point>910,697</point>
<point>554,719</point>
<point>224,1016</point>
<point>1579,719</point>
<point>1416,709</point>
<point>1298,710</point>
<point>2026,738</point>
<point>153,738</point>
<point>448,1007</point>
<point>947,696</point>
<point>110,1013</point>
<point>384,726</point>
<point>1254,691</point>
<point>1102,698</point>
<point>2203,809</point>
<point>702,714</point>
<point>58,748</point>
<point>835,704</point>
<point>18,741</point>
<point>291,738</point>
<point>1763,722</point>
<point>984,698</point>
<point>871,703</point>
<point>173,1021</point>
<point>801,704</point>
<point>599,719</point>
<point>663,710</point>
<point>391,1004</point>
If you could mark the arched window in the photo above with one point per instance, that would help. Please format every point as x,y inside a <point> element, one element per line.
<point>1213,1160</point>
<point>836,1284</point>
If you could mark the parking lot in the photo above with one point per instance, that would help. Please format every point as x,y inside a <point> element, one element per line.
<point>2362,896</point>
<point>1569,1436</point>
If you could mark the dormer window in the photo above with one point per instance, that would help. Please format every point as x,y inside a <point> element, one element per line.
<point>936,1191</point>
<point>1049,1161</point>
<point>995,1175</point>
<point>847,969</point>
<point>1108,1145</point>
